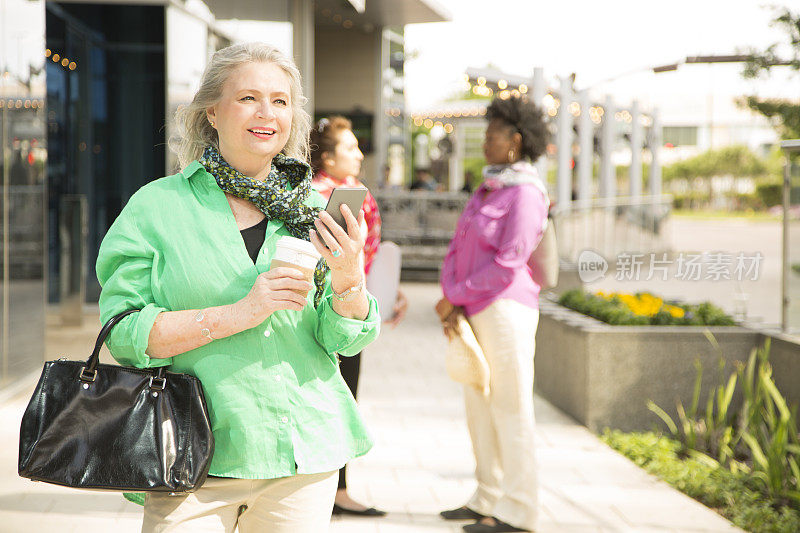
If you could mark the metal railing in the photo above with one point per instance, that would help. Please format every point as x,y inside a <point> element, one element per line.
<point>611,226</point>
<point>422,224</point>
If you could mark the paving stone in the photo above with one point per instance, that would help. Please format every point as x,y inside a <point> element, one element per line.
<point>422,462</point>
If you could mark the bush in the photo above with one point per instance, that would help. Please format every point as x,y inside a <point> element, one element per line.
<point>733,495</point>
<point>691,200</point>
<point>643,309</point>
<point>770,193</point>
<point>738,161</point>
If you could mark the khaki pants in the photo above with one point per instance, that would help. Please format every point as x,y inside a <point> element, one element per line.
<point>501,426</point>
<point>296,504</point>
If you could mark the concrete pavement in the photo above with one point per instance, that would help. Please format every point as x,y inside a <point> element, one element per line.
<point>421,463</point>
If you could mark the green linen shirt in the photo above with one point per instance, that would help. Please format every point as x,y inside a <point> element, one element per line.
<point>277,402</point>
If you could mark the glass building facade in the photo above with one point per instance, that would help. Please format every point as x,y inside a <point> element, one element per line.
<point>23,198</point>
<point>88,92</point>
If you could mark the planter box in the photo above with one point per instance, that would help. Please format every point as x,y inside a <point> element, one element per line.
<point>603,375</point>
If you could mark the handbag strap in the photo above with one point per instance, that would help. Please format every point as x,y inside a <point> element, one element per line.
<point>91,363</point>
<point>89,373</point>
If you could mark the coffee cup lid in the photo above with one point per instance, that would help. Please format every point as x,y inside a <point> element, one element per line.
<point>298,245</point>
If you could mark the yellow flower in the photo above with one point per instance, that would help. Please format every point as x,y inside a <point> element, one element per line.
<point>644,304</point>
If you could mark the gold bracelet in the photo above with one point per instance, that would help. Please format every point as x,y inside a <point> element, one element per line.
<point>205,332</point>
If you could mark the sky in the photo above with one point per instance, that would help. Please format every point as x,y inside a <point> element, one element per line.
<point>597,40</point>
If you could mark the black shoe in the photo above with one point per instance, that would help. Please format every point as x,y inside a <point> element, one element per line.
<point>339,510</point>
<point>462,513</point>
<point>499,527</point>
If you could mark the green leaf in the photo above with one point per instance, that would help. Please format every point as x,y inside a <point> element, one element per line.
<point>703,458</point>
<point>698,381</point>
<point>758,455</point>
<point>673,429</point>
<point>779,400</point>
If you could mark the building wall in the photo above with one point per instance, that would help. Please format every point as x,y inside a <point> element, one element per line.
<point>23,195</point>
<point>346,69</point>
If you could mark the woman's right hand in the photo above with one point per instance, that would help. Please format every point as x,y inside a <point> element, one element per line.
<point>448,316</point>
<point>274,290</point>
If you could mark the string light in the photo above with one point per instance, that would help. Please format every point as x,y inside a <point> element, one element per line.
<point>64,62</point>
<point>47,52</point>
<point>448,128</point>
<point>523,88</point>
<point>55,58</point>
<point>428,123</point>
<point>502,84</point>
<point>481,81</point>
<point>72,65</point>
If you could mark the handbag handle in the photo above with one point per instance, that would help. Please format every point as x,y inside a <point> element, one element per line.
<point>88,373</point>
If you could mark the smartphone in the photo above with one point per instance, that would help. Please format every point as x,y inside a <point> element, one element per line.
<point>353,197</point>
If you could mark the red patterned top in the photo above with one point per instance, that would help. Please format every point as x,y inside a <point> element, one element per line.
<point>325,183</point>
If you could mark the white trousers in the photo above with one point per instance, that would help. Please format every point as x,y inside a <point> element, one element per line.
<point>296,504</point>
<point>502,425</point>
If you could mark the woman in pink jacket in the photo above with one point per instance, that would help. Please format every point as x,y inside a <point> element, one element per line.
<point>486,274</point>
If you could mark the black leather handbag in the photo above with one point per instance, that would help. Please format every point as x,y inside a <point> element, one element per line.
<point>108,427</point>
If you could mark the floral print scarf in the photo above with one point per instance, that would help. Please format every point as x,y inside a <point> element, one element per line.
<point>280,196</point>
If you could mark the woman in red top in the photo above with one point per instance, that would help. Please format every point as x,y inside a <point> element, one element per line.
<point>336,160</point>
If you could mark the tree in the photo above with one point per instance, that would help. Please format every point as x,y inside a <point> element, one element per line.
<point>785,113</point>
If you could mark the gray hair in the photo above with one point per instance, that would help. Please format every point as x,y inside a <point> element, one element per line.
<point>194,130</point>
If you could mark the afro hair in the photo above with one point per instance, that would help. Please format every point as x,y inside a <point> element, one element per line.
<point>523,116</point>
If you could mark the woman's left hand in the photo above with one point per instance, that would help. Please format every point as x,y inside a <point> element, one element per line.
<point>399,310</point>
<point>343,251</point>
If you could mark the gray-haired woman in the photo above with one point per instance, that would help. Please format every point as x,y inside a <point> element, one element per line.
<point>192,251</point>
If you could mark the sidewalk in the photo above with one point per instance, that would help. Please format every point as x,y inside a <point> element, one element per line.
<point>421,464</point>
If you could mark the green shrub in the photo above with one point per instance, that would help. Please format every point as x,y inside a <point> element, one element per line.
<point>733,495</point>
<point>770,193</point>
<point>617,313</point>
<point>759,440</point>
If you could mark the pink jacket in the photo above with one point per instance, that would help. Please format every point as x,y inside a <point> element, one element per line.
<point>488,257</point>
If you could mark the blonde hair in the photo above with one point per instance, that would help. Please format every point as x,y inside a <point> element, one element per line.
<point>194,130</point>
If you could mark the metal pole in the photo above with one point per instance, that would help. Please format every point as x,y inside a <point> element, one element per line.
<point>655,149</point>
<point>539,91</point>
<point>608,177</point>
<point>564,144</point>
<point>785,246</point>
<point>635,173</point>
<point>585,141</point>
<point>6,154</point>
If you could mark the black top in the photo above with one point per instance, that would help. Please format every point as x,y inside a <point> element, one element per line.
<point>254,238</point>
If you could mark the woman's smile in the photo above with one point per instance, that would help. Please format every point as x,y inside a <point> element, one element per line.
<point>263,133</point>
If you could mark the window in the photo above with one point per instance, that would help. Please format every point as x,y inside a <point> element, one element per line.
<point>680,135</point>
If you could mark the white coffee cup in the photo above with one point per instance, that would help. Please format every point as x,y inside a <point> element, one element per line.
<point>298,254</point>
